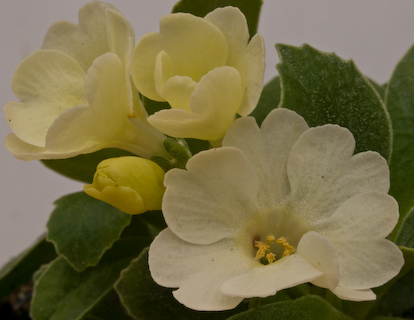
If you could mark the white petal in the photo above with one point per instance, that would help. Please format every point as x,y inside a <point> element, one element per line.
<point>267,280</point>
<point>268,150</point>
<point>177,91</point>
<point>214,103</point>
<point>47,82</point>
<point>198,270</point>
<point>213,199</point>
<point>354,295</point>
<point>357,230</point>
<point>248,58</point>
<point>321,254</point>
<point>323,173</point>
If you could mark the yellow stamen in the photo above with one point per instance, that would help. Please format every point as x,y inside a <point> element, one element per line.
<point>261,249</point>
<point>288,248</point>
<point>271,239</point>
<point>270,257</point>
<point>133,115</point>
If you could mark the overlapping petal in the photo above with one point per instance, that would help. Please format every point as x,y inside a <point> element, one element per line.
<point>218,191</point>
<point>268,149</point>
<point>323,173</point>
<point>204,66</point>
<point>177,263</point>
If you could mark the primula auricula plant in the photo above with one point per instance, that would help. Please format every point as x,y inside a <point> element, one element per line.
<point>193,205</point>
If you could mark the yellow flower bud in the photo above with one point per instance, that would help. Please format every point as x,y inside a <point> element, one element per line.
<point>131,184</point>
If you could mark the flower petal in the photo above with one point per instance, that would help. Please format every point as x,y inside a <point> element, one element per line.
<point>104,123</point>
<point>93,36</point>
<point>357,230</point>
<point>321,254</point>
<point>24,151</point>
<point>197,270</point>
<point>143,65</point>
<point>213,198</point>
<point>177,91</point>
<point>267,280</point>
<point>248,58</point>
<point>268,149</point>
<point>47,83</point>
<point>195,45</point>
<point>354,295</point>
<point>214,103</point>
<point>323,173</point>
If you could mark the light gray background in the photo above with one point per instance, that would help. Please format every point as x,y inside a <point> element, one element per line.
<point>375,33</point>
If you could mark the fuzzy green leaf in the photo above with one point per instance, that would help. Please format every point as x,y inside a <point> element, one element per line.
<point>145,300</point>
<point>399,100</point>
<point>20,269</point>
<point>305,308</point>
<point>62,293</point>
<point>83,228</point>
<point>405,236</point>
<point>83,167</point>
<point>323,88</point>
<point>250,8</point>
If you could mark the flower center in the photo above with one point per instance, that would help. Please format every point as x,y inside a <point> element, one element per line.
<point>270,235</point>
<point>263,248</point>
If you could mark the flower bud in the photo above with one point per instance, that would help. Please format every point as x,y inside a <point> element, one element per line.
<point>131,184</point>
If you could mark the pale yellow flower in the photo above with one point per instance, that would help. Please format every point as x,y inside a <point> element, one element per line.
<point>205,68</point>
<point>76,95</point>
<point>131,184</point>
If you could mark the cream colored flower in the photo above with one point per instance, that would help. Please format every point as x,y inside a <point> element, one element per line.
<point>276,207</point>
<point>205,68</point>
<point>76,93</point>
<point>131,184</point>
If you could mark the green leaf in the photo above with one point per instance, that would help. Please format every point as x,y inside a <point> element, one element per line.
<point>83,167</point>
<point>250,8</point>
<point>269,100</point>
<point>399,100</point>
<point>323,88</point>
<point>399,298</point>
<point>405,236</point>
<point>387,318</point>
<point>379,88</point>
<point>83,228</point>
<point>308,307</point>
<point>109,308</point>
<point>145,300</point>
<point>20,269</point>
<point>62,293</point>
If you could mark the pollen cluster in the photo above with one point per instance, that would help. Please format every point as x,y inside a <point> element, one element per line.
<point>263,248</point>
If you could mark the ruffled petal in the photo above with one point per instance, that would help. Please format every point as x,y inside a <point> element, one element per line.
<point>267,280</point>
<point>47,82</point>
<point>323,173</point>
<point>268,149</point>
<point>248,58</point>
<point>102,28</point>
<point>354,295</point>
<point>321,254</point>
<point>198,271</point>
<point>213,199</point>
<point>357,230</point>
<point>214,103</point>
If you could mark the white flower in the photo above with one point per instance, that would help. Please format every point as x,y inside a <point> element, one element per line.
<point>76,93</point>
<point>274,208</point>
<point>205,68</point>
